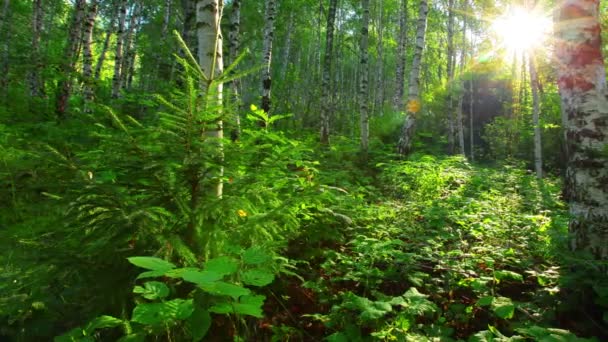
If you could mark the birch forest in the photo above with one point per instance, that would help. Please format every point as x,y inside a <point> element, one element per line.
<point>303,170</point>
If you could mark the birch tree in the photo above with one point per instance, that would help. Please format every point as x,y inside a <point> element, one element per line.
<point>538,159</point>
<point>87,59</point>
<point>582,85</point>
<point>463,57</point>
<point>450,72</point>
<point>64,86</point>
<point>400,72</point>
<point>5,29</point>
<point>269,17</point>
<point>105,47</point>
<point>363,89</point>
<point>36,83</point>
<point>118,55</point>
<point>407,132</point>
<point>327,73</point>
<point>209,36</point>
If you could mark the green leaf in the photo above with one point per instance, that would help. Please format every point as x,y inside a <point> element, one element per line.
<point>503,307</point>
<point>255,256</point>
<point>248,305</point>
<point>162,313</point>
<point>195,275</point>
<point>150,274</point>
<point>152,290</point>
<point>151,263</point>
<point>508,275</point>
<point>102,322</point>
<point>257,277</point>
<point>222,265</point>
<point>132,338</point>
<point>485,301</point>
<point>199,323</point>
<point>225,289</point>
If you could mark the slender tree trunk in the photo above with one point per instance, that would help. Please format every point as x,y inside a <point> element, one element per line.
<point>450,71</point>
<point>327,73</point>
<point>104,49</point>
<point>400,72</point>
<point>5,34</point>
<point>233,52</point>
<point>471,120</point>
<point>407,132</point>
<point>538,160</point>
<point>287,45</point>
<point>128,53</point>
<point>267,54</point>
<point>87,60</point>
<point>379,98</point>
<point>163,66</point>
<point>463,57</point>
<point>363,89</point>
<point>64,86</point>
<point>36,82</point>
<point>118,55</point>
<point>208,18</point>
<point>582,84</point>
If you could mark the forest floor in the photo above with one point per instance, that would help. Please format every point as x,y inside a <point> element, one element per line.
<point>446,251</point>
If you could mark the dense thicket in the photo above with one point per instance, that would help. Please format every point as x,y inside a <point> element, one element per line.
<point>407,176</point>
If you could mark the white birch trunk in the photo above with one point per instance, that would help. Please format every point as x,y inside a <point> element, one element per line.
<point>267,54</point>
<point>104,49</point>
<point>582,84</point>
<point>407,132</point>
<point>327,73</point>
<point>128,53</point>
<point>5,35</point>
<point>87,54</point>
<point>450,71</point>
<point>363,89</point>
<point>379,98</point>
<point>538,159</point>
<point>36,83</point>
<point>118,55</point>
<point>233,52</point>
<point>208,18</point>
<point>400,72</point>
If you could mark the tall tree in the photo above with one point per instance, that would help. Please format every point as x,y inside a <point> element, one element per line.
<point>538,159</point>
<point>401,52</point>
<point>364,82</point>
<point>118,54</point>
<point>269,17</point>
<point>87,54</point>
<point>379,89</point>
<point>463,58</point>
<point>582,85</point>
<point>450,72</point>
<point>106,45</point>
<point>327,72</point>
<point>5,29</point>
<point>209,36</point>
<point>407,132</point>
<point>64,86</point>
<point>36,82</point>
<point>234,46</point>
<point>128,53</point>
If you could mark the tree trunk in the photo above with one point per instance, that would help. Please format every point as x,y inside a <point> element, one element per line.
<point>267,54</point>
<point>327,73</point>
<point>407,132</point>
<point>128,53</point>
<point>582,84</point>
<point>363,89</point>
<point>64,86</point>
<point>36,82</point>
<point>463,58</point>
<point>87,60</point>
<point>163,66</point>
<point>379,98</point>
<point>208,18</point>
<point>538,160</point>
<point>118,55</point>
<point>104,49</point>
<point>233,52</point>
<point>5,34</point>
<point>471,120</point>
<point>450,71</point>
<point>400,72</point>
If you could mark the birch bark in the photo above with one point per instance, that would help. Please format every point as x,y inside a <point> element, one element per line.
<point>327,73</point>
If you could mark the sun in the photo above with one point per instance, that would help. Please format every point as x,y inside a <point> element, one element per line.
<point>521,30</point>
